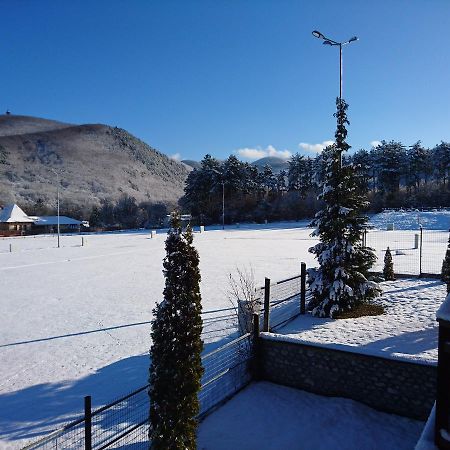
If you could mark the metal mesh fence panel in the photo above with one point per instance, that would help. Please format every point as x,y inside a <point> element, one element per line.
<point>434,246</point>
<point>119,419</point>
<point>284,301</point>
<point>124,423</point>
<point>414,252</point>
<point>69,437</point>
<point>219,323</point>
<point>227,370</point>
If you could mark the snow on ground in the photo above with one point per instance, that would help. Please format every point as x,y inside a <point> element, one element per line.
<point>266,416</point>
<point>408,329</point>
<point>411,220</point>
<point>75,320</point>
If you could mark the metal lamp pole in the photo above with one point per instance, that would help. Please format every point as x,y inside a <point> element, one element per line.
<point>57,201</point>
<point>223,205</point>
<point>328,41</point>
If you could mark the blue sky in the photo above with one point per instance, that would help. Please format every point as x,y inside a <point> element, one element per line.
<point>197,77</point>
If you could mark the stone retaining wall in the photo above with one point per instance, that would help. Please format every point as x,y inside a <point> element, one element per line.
<point>398,387</point>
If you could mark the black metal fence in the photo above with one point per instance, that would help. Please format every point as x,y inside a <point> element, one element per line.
<point>414,252</point>
<point>124,423</point>
<point>284,300</point>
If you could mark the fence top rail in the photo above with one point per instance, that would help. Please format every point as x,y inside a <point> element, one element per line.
<point>219,310</point>
<point>229,344</point>
<point>282,281</point>
<point>110,405</point>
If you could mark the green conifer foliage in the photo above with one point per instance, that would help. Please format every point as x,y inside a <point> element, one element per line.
<point>176,366</point>
<point>445,272</point>
<point>388,269</point>
<point>340,282</point>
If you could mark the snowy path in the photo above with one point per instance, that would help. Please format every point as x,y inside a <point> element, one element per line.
<point>266,416</point>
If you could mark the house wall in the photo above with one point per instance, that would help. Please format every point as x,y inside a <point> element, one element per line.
<point>404,388</point>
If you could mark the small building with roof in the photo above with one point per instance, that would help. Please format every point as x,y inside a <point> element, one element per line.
<point>13,221</point>
<point>49,224</point>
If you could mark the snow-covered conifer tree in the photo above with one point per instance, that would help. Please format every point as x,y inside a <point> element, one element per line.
<point>176,366</point>
<point>445,272</point>
<point>340,282</point>
<point>388,269</point>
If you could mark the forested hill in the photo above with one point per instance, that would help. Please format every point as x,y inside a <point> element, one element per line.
<point>96,164</point>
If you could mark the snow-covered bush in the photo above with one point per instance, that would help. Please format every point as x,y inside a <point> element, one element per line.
<point>340,282</point>
<point>176,366</point>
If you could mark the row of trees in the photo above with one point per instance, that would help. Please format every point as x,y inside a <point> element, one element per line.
<point>392,175</point>
<point>127,213</point>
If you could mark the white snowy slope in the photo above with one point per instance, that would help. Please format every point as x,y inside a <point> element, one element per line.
<point>266,416</point>
<point>408,329</point>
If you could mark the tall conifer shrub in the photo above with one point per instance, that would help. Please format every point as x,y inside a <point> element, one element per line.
<point>388,269</point>
<point>176,366</point>
<point>340,282</point>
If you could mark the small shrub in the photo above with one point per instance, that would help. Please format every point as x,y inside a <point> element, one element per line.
<point>388,270</point>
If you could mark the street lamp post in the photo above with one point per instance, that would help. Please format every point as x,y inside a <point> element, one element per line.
<point>57,201</point>
<point>328,41</point>
<point>223,205</point>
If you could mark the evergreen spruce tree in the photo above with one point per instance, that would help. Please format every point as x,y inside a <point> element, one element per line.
<point>445,272</point>
<point>388,269</point>
<point>340,282</point>
<point>176,366</point>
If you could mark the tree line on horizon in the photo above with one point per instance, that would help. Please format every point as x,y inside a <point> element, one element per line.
<point>390,174</point>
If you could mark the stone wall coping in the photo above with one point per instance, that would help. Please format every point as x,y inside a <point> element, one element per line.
<point>345,349</point>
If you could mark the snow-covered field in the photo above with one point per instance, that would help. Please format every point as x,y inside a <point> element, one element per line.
<point>76,320</point>
<point>266,416</point>
<point>408,329</point>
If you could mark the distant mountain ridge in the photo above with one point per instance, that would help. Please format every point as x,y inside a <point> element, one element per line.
<point>277,164</point>
<point>95,162</point>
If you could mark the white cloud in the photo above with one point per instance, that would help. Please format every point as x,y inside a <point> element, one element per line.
<point>375,143</point>
<point>175,156</point>
<point>253,154</point>
<point>314,148</point>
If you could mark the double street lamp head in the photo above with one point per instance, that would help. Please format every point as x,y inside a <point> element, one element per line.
<point>328,41</point>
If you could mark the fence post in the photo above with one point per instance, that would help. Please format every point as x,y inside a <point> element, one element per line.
<point>87,423</point>
<point>10,248</point>
<point>303,288</point>
<point>255,326</point>
<point>255,366</point>
<point>420,251</point>
<point>266,304</point>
